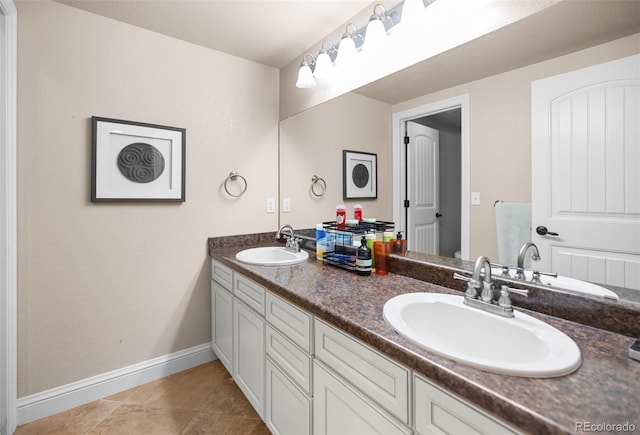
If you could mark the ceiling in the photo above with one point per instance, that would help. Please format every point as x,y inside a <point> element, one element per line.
<point>276,32</point>
<point>270,32</point>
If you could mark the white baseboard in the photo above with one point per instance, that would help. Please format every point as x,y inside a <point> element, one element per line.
<point>59,399</point>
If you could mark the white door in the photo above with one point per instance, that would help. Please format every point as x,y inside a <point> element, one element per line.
<point>8,212</point>
<point>422,188</point>
<point>586,172</point>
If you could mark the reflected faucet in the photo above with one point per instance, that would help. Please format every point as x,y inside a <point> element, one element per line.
<point>282,228</point>
<point>521,255</point>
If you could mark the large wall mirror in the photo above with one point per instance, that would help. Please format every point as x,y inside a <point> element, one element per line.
<point>478,99</point>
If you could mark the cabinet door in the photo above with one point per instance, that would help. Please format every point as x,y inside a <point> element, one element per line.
<point>248,354</point>
<point>222,324</point>
<point>338,409</point>
<point>288,410</point>
<point>438,413</point>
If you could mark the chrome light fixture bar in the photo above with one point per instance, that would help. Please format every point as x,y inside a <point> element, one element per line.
<point>410,13</point>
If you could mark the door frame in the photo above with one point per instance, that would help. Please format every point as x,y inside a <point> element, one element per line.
<point>8,217</point>
<point>398,119</point>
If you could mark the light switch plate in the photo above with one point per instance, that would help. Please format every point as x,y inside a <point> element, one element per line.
<point>286,205</point>
<point>475,198</point>
<point>271,205</point>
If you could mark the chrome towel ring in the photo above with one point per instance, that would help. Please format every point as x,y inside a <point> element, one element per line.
<point>315,180</point>
<point>233,176</point>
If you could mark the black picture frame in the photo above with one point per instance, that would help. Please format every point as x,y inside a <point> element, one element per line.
<point>137,161</point>
<point>359,175</point>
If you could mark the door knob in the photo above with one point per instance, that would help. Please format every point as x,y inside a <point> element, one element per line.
<point>438,215</point>
<point>544,232</point>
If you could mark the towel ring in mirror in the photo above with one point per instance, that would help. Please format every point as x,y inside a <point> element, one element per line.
<point>322,186</point>
<point>233,176</point>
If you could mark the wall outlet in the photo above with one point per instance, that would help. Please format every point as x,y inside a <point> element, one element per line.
<point>286,205</point>
<point>271,205</point>
<point>475,198</point>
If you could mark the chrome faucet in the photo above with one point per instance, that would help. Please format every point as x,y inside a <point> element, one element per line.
<point>484,282</point>
<point>498,302</point>
<point>521,256</point>
<point>292,242</point>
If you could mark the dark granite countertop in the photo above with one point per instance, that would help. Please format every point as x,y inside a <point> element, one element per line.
<point>605,390</point>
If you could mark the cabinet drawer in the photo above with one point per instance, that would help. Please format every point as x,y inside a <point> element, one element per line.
<point>222,274</point>
<point>292,360</point>
<point>375,375</point>
<point>439,412</point>
<point>249,292</point>
<point>291,321</point>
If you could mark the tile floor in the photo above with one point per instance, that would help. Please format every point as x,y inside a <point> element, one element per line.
<point>202,400</point>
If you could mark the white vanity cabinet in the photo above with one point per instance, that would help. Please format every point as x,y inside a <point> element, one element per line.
<point>289,365</point>
<point>304,376</point>
<point>438,413</point>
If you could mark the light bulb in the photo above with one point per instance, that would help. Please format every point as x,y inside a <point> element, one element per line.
<point>346,50</point>
<point>413,15</point>
<point>305,77</point>
<point>375,36</point>
<point>323,66</point>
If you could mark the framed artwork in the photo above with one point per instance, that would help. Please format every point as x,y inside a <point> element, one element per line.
<point>135,161</point>
<point>359,175</point>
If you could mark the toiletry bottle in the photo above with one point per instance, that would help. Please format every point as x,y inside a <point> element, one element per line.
<point>371,238</point>
<point>387,236</point>
<point>341,216</point>
<point>357,212</point>
<point>363,258</point>
<point>321,242</point>
<point>399,245</point>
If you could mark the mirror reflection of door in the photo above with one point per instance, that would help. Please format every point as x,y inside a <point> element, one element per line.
<point>434,184</point>
<point>586,172</point>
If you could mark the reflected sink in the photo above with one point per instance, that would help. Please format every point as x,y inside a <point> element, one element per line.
<point>520,346</point>
<point>271,256</point>
<point>566,283</point>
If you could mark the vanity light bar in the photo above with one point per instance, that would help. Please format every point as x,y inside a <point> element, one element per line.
<point>319,67</point>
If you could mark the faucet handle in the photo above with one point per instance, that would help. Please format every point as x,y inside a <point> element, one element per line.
<point>536,276</point>
<point>505,299</point>
<point>457,276</point>
<point>472,285</point>
<point>504,267</point>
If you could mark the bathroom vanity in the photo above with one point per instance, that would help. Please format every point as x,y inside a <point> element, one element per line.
<point>308,346</point>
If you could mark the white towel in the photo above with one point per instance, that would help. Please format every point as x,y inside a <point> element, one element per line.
<point>513,226</point>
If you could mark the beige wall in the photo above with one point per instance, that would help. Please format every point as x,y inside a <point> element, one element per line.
<point>500,132</point>
<point>312,142</point>
<point>103,286</point>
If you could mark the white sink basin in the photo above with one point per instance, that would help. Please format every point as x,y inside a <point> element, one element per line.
<point>520,346</point>
<point>566,283</point>
<point>271,256</point>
